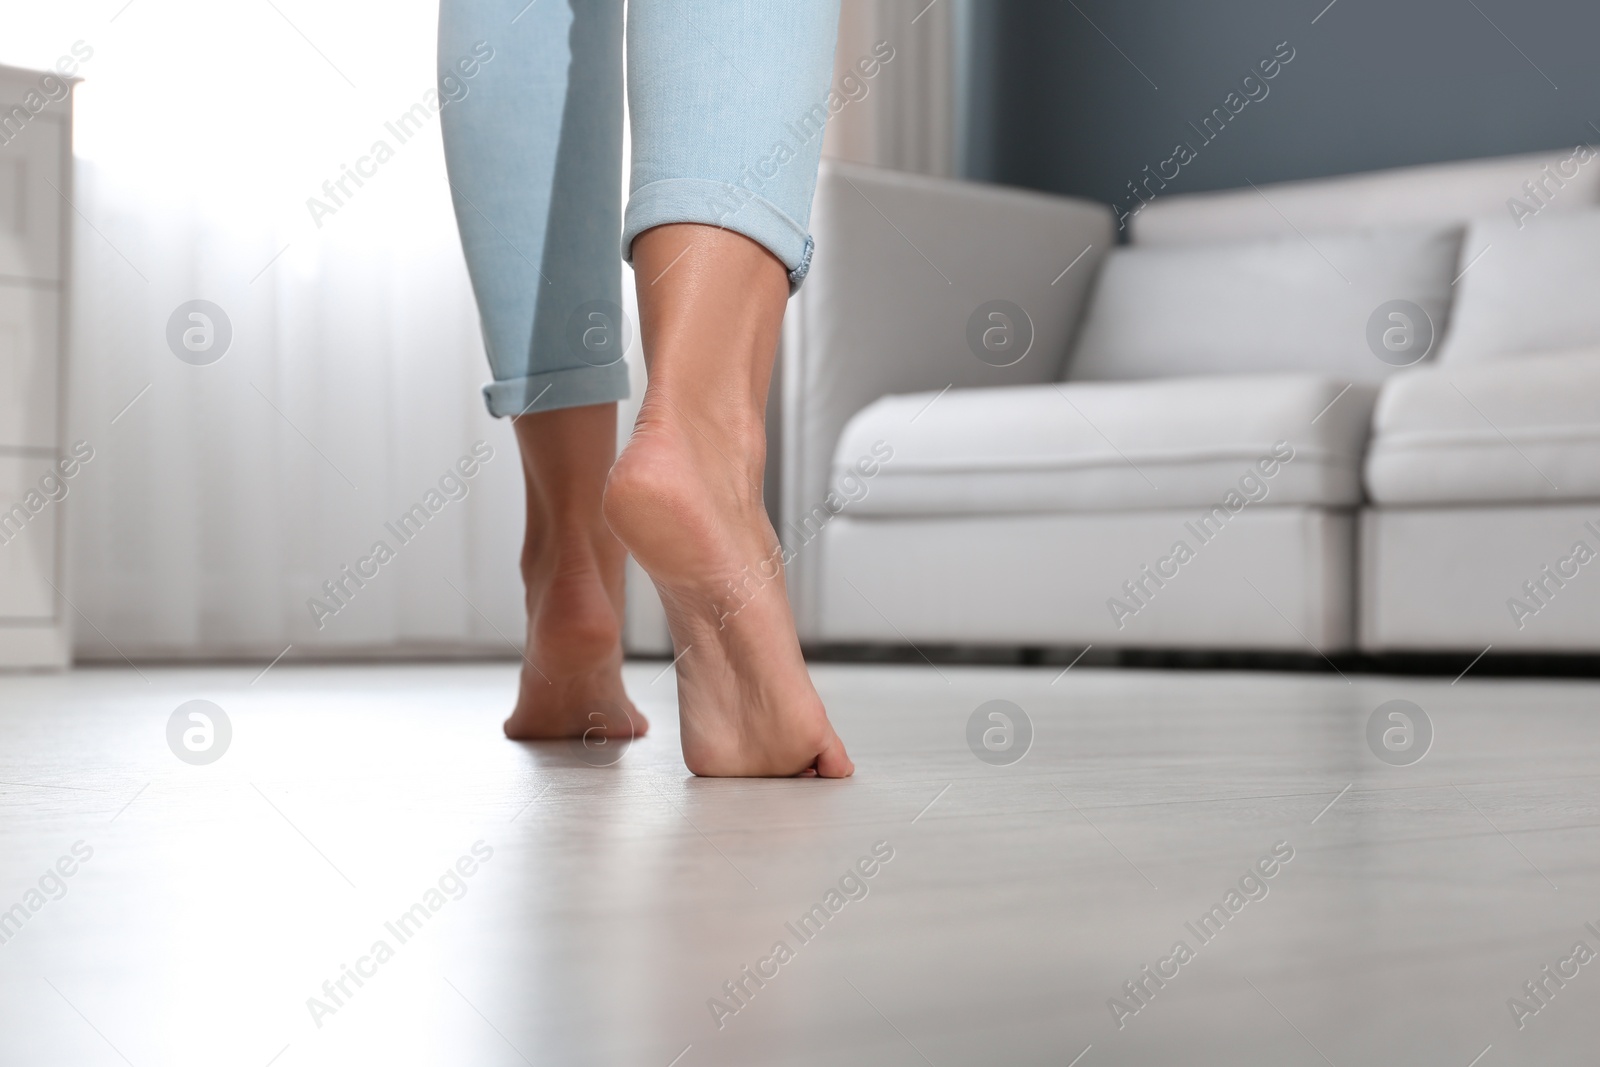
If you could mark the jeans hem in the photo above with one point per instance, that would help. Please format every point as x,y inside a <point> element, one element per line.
<point>723,204</point>
<point>568,388</point>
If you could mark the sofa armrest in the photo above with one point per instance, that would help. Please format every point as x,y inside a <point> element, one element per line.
<point>1515,430</point>
<point>902,262</point>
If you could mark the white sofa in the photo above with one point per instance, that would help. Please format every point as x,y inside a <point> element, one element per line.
<point>1201,447</point>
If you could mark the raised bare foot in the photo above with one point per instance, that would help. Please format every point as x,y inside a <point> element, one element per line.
<point>745,702</point>
<point>572,568</point>
<point>685,498</point>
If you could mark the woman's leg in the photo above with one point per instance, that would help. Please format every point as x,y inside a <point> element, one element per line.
<point>728,99</point>
<point>532,126</point>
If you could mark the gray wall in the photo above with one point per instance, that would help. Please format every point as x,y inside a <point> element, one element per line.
<point>1373,83</point>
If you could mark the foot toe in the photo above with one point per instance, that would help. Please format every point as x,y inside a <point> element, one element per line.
<point>832,762</point>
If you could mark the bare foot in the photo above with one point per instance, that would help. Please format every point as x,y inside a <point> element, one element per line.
<point>572,570</point>
<point>685,498</point>
<point>572,672</point>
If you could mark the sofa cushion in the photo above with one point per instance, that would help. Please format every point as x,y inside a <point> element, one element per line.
<point>1437,194</point>
<point>1253,307</point>
<point>1501,432</point>
<point>1532,287</point>
<point>1111,446</point>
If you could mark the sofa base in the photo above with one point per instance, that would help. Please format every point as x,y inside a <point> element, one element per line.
<point>1056,658</point>
<point>1271,579</point>
<point>1450,579</point>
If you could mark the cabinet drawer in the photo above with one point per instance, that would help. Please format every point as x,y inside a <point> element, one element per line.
<point>27,539</point>
<point>29,332</point>
<point>30,210</point>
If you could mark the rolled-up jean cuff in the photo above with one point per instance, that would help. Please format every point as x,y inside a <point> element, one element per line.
<point>722,204</point>
<point>568,388</point>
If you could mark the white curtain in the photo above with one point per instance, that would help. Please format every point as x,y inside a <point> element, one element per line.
<point>907,116</point>
<point>221,497</point>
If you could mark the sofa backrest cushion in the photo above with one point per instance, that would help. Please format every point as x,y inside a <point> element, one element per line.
<point>1249,307</point>
<point>1434,195</point>
<point>1528,290</point>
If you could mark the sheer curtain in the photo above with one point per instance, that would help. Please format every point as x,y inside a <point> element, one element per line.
<point>909,116</point>
<point>215,144</point>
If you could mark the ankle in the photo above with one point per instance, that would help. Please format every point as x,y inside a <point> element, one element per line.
<point>575,548</point>
<point>726,443</point>
<point>573,592</point>
<point>733,415</point>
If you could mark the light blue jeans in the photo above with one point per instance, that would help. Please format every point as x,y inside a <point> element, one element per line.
<point>727,100</point>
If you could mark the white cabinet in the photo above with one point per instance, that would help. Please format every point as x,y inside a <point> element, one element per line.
<point>30,343</point>
<point>35,184</point>
<point>27,543</point>
<point>31,207</point>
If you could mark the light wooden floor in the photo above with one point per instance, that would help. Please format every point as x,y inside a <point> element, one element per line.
<point>618,900</point>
